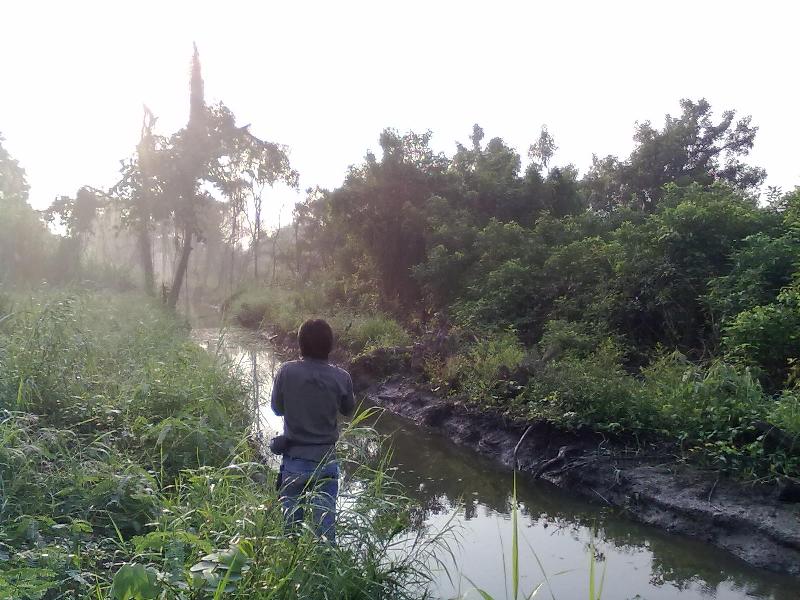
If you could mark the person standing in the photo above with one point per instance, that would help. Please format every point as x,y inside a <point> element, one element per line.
<point>309,394</point>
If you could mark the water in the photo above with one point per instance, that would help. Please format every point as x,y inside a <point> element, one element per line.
<point>640,562</point>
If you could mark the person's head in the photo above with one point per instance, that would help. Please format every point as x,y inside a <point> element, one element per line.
<point>316,339</point>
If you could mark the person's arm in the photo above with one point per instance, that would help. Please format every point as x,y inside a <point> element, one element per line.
<point>277,393</point>
<point>348,401</point>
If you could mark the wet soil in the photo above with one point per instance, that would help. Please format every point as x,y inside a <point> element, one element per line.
<point>745,519</point>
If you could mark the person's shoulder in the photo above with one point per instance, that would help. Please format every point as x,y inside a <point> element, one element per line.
<point>292,364</point>
<point>289,366</point>
<point>340,372</point>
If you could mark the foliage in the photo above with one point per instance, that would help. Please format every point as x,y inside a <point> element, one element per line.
<point>24,241</point>
<point>761,266</point>
<point>590,391</point>
<point>560,296</point>
<point>283,310</point>
<point>483,371</point>
<point>767,337</point>
<point>126,474</point>
<point>690,148</point>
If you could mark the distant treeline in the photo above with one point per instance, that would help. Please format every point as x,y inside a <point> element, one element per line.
<point>671,247</point>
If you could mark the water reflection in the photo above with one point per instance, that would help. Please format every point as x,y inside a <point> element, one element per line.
<point>640,562</point>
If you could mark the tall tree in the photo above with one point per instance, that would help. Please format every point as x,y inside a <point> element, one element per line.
<point>380,206</point>
<point>146,154</point>
<point>77,215</point>
<point>23,236</point>
<point>190,166</point>
<point>691,148</point>
<point>140,190</point>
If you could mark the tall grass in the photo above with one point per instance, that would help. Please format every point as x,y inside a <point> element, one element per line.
<point>714,414</point>
<point>594,586</point>
<point>125,472</point>
<point>284,310</point>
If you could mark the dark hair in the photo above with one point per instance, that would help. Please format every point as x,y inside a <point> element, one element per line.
<point>316,339</point>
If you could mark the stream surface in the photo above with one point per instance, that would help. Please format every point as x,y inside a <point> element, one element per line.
<point>556,528</point>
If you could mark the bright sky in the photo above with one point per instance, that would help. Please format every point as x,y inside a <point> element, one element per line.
<point>326,77</point>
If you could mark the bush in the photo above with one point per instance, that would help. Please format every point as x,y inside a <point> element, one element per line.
<point>124,470</point>
<point>284,310</point>
<point>482,370</point>
<point>785,413</point>
<point>590,391</point>
<point>362,333</point>
<point>767,338</point>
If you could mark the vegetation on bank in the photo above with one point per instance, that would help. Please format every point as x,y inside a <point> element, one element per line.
<point>655,299</point>
<point>126,472</point>
<point>717,414</point>
<point>283,310</point>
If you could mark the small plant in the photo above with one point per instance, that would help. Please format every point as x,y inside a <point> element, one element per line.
<point>595,587</point>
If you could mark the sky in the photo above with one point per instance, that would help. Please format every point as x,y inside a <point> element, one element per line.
<point>325,78</point>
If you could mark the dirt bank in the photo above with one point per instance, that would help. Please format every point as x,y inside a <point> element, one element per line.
<point>747,520</point>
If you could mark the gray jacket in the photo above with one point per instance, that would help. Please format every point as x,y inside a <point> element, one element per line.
<point>309,394</point>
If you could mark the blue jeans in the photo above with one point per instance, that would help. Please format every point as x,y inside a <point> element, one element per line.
<point>309,484</point>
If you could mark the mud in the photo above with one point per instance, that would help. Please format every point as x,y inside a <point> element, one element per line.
<point>747,520</point>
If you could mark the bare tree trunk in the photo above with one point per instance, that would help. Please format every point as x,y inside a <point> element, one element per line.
<point>191,171</point>
<point>234,239</point>
<point>275,249</point>
<point>187,293</point>
<point>164,253</point>
<point>255,258</point>
<point>146,256</point>
<point>144,151</point>
<point>297,248</point>
<point>180,272</point>
<point>256,233</point>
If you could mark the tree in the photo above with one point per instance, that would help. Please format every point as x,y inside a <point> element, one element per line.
<point>489,175</point>
<point>175,179</point>
<point>146,152</point>
<point>380,205</point>
<point>262,164</point>
<point>190,164</point>
<point>141,192</point>
<point>542,150</point>
<point>663,265</point>
<point>77,215</point>
<point>23,237</point>
<point>691,148</point>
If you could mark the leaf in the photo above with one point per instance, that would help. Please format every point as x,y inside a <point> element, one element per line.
<point>485,595</point>
<point>135,582</point>
<point>515,542</point>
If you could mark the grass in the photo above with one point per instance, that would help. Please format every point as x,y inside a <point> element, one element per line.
<point>716,414</point>
<point>125,472</point>
<point>708,412</point>
<point>283,310</point>
<point>594,587</point>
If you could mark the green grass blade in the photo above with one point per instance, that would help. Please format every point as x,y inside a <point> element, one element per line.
<point>514,542</point>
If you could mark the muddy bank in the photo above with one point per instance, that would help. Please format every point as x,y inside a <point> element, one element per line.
<point>750,521</point>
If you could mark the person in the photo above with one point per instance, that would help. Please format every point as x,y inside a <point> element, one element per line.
<point>310,393</point>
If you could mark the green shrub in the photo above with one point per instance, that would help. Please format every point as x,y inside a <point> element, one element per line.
<point>360,333</point>
<point>590,391</point>
<point>481,371</point>
<point>766,338</point>
<point>570,337</point>
<point>284,310</point>
<point>785,413</point>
